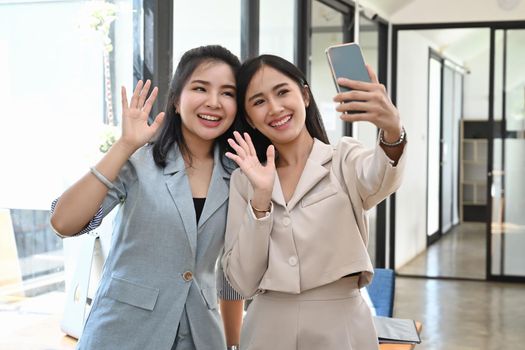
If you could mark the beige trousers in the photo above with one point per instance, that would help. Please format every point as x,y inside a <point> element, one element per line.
<point>331,317</point>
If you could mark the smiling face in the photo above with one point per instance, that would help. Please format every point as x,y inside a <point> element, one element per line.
<point>207,104</point>
<point>276,105</point>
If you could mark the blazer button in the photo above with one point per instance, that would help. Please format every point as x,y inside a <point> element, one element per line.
<point>286,221</point>
<point>292,261</point>
<point>187,276</point>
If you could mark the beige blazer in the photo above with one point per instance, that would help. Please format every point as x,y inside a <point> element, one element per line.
<point>321,234</point>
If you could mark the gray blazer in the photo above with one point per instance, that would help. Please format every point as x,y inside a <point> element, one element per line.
<point>145,284</point>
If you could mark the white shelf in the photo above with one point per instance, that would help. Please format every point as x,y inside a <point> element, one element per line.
<point>473,171</point>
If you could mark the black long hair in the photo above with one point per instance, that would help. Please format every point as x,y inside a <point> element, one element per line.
<point>314,122</point>
<point>171,130</point>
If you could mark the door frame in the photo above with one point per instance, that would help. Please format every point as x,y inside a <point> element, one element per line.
<point>493,26</point>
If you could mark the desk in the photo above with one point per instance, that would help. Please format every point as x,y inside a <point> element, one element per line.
<point>46,334</point>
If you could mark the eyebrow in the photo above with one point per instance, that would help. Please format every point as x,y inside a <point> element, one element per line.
<point>204,82</point>
<point>276,87</point>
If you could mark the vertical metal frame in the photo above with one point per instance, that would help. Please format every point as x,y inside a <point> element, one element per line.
<point>490,153</point>
<point>348,36</point>
<point>381,212</point>
<point>503,143</point>
<point>302,30</point>
<point>138,33</point>
<point>158,47</point>
<point>435,236</point>
<point>250,14</point>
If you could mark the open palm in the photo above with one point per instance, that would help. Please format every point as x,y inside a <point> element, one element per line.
<point>135,129</point>
<point>261,176</point>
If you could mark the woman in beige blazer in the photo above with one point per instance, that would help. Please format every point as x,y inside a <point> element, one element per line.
<point>297,225</point>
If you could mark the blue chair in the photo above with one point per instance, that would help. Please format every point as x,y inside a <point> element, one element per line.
<point>381,291</point>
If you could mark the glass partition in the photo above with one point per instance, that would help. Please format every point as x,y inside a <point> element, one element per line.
<point>508,168</point>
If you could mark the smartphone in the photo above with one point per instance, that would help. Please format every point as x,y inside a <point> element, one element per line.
<point>346,61</point>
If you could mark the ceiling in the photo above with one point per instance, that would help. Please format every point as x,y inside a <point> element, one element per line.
<point>440,11</point>
<point>460,44</point>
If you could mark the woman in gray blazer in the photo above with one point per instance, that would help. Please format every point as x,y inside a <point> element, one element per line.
<point>297,224</point>
<point>158,287</point>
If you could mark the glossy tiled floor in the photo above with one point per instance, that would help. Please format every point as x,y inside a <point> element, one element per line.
<point>463,315</point>
<point>456,315</point>
<point>460,253</point>
<point>460,314</point>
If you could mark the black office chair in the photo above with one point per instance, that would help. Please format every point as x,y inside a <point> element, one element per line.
<point>381,291</point>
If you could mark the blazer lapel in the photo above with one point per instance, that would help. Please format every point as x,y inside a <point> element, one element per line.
<point>218,191</point>
<point>314,171</point>
<point>180,191</point>
<point>277,193</point>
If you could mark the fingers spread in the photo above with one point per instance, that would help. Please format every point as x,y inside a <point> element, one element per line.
<point>270,155</point>
<point>234,157</point>
<point>158,120</point>
<point>238,149</point>
<point>149,102</point>
<point>143,94</point>
<point>241,142</point>
<point>134,99</point>
<point>124,98</point>
<point>250,144</point>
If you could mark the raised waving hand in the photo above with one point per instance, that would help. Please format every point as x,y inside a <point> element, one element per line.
<point>135,129</point>
<point>261,176</point>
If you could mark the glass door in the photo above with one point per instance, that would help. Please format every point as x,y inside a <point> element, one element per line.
<point>434,145</point>
<point>507,190</point>
<point>452,87</point>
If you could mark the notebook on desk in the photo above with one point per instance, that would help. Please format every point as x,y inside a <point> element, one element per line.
<point>396,330</point>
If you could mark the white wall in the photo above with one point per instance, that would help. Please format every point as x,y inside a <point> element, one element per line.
<point>412,87</point>
<point>476,90</point>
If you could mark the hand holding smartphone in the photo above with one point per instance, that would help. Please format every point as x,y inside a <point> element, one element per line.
<point>346,61</point>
